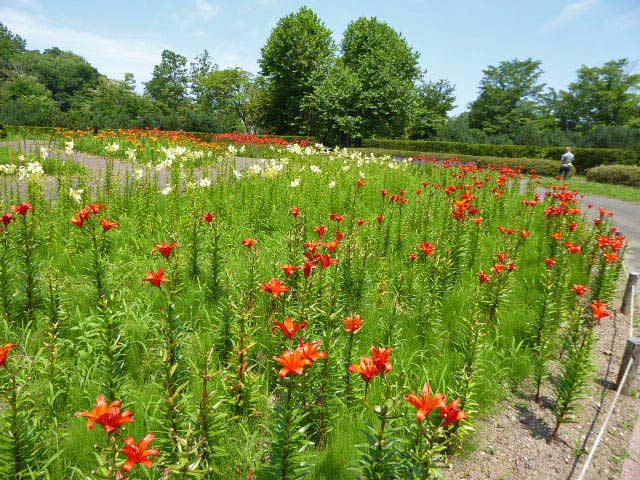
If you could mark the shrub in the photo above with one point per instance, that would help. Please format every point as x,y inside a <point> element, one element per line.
<point>616,174</point>
<point>585,157</point>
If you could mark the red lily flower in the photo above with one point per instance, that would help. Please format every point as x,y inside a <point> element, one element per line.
<point>550,263</point>
<point>275,286</point>
<point>7,218</point>
<point>573,247</point>
<point>289,328</point>
<point>381,358</point>
<point>307,267</point>
<point>312,246</point>
<point>295,211</point>
<point>580,289</point>
<point>327,261</point>
<point>353,324</point>
<point>289,269</point>
<point>165,248</point>
<point>524,234</point>
<point>556,236</point>
<point>336,217</point>
<point>292,363</point>
<point>95,208</point>
<point>321,231</point>
<point>498,267</point>
<point>156,278</point>
<point>367,369</point>
<point>361,222</point>
<point>332,246</point>
<point>208,217</point>
<point>501,257</point>
<point>339,236</point>
<point>600,310</point>
<point>384,192</point>
<point>360,183</point>
<point>573,226</point>
<point>23,208</point>
<point>380,219</point>
<point>249,242</point>
<point>310,351</point>
<point>108,224</point>
<point>77,221</point>
<point>478,220</point>
<point>139,453</point>
<point>4,350</point>
<point>427,248</point>
<point>451,413</point>
<point>108,416</point>
<point>484,278</point>
<point>426,403</point>
<point>611,257</point>
<point>413,256</point>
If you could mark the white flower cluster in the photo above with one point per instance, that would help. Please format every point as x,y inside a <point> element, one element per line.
<point>68,147</point>
<point>33,171</point>
<point>76,195</point>
<point>131,154</point>
<point>112,147</point>
<point>264,168</point>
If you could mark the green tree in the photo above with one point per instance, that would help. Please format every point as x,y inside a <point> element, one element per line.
<point>11,45</point>
<point>606,95</point>
<point>170,80</point>
<point>510,96</point>
<point>335,106</point>
<point>433,101</point>
<point>65,74</point>
<point>199,69</point>
<point>387,69</point>
<point>230,93</point>
<point>298,47</point>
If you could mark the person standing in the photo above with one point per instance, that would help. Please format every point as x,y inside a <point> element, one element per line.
<point>567,163</point>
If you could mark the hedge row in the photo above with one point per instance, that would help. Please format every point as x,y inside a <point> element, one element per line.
<point>540,166</point>
<point>616,174</point>
<point>22,131</point>
<point>585,157</point>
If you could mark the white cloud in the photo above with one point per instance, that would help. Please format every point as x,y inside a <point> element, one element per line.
<point>112,56</point>
<point>571,11</point>
<point>206,10</point>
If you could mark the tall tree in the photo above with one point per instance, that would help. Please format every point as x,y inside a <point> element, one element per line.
<point>199,69</point>
<point>510,95</point>
<point>606,95</point>
<point>10,46</point>
<point>299,46</point>
<point>386,68</point>
<point>170,80</point>
<point>230,93</point>
<point>433,101</point>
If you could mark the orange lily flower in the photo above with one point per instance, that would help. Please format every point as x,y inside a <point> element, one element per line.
<point>165,248</point>
<point>367,369</point>
<point>275,286</point>
<point>353,324</point>
<point>310,351</point>
<point>108,224</point>
<point>139,453</point>
<point>292,363</point>
<point>289,327</point>
<point>426,403</point>
<point>451,413</point>
<point>599,310</point>
<point>381,358</point>
<point>4,351</point>
<point>108,416</point>
<point>156,278</point>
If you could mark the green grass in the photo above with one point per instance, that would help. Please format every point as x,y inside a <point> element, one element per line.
<point>621,192</point>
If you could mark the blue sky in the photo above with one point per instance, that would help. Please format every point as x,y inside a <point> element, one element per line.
<point>455,40</point>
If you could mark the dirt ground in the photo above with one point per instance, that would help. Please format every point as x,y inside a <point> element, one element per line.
<point>511,444</point>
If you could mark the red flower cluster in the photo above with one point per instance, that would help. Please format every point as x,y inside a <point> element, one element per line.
<point>294,362</point>
<point>81,216</point>
<point>111,418</point>
<point>23,208</point>
<point>371,367</point>
<point>4,351</point>
<point>427,403</point>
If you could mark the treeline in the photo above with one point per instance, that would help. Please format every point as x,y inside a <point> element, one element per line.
<point>370,85</point>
